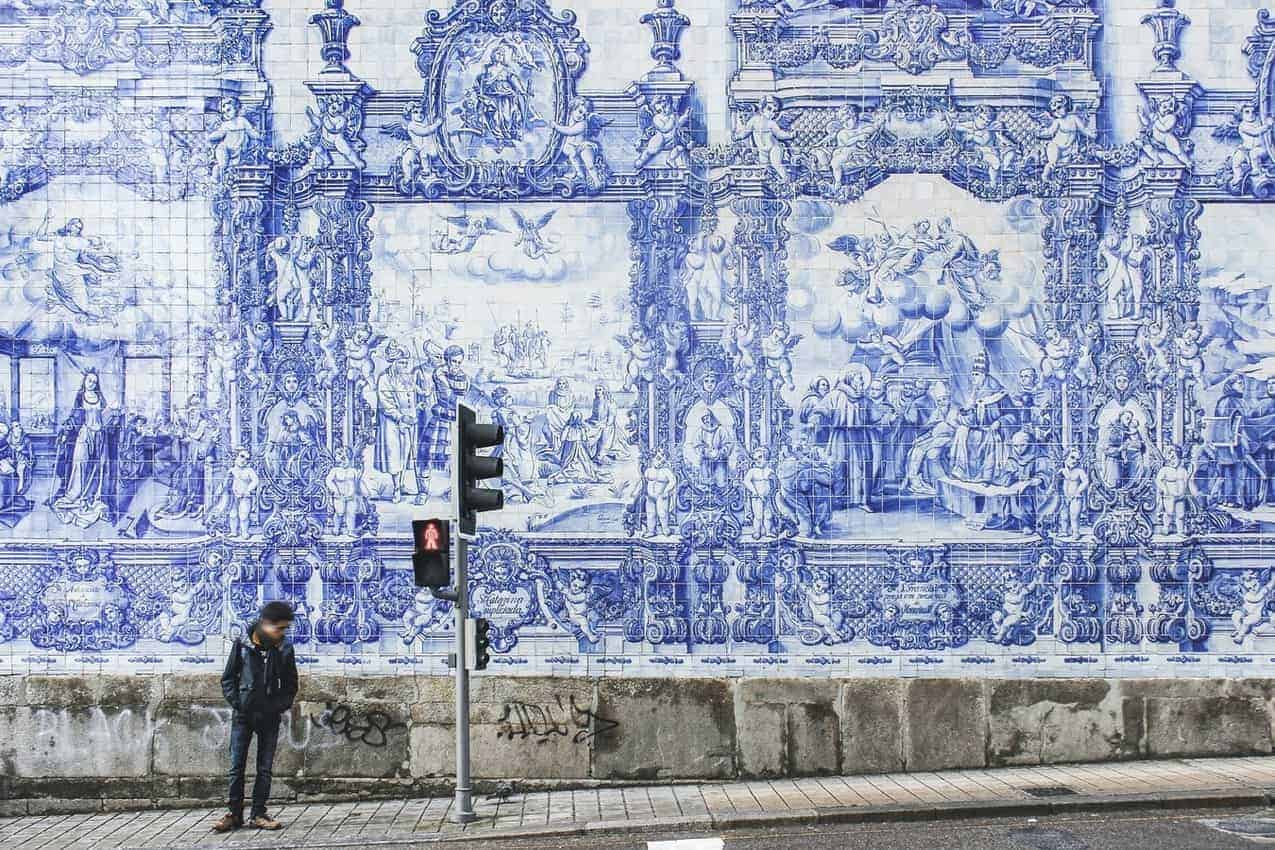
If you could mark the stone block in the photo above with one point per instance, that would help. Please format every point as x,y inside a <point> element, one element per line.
<point>531,702</point>
<point>106,691</point>
<point>81,742</point>
<point>436,689</point>
<point>432,751</point>
<point>665,728</point>
<point>762,738</point>
<point>1207,726</point>
<point>398,689</point>
<point>787,727</point>
<point>503,751</point>
<point>352,739</point>
<point>814,737</point>
<point>1047,721</point>
<point>125,804</point>
<point>321,687</point>
<point>945,724</point>
<point>59,691</point>
<point>62,806</point>
<point>101,787</point>
<point>12,691</point>
<point>192,688</point>
<point>191,740</point>
<point>871,726</point>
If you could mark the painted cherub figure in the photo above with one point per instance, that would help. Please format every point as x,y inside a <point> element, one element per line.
<point>423,612</point>
<point>1075,484</point>
<point>666,129</point>
<point>231,138</point>
<point>1154,344</point>
<point>738,343</point>
<point>1014,604</point>
<point>1189,346</point>
<point>1172,484</point>
<point>242,483</point>
<point>990,141</point>
<point>760,484</point>
<point>421,149</point>
<point>342,484</point>
<point>819,598</point>
<point>768,136</point>
<point>1065,133</point>
<point>579,144</point>
<point>577,603</point>
<point>660,483</point>
<point>777,348</point>
<point>337,131</point>
<point>676,344</point>
<point>1162,128</point>
<point>1254,595</point>
<point>1058,357</point>
<point>1252,159</point>
<point>222,351</point>
<point>847,139</point>
<point>359,366</point>
<point>641,364</point>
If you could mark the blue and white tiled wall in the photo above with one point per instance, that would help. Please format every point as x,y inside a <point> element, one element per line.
<point>832,337</point>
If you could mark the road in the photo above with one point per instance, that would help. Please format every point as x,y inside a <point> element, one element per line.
<point>1199,830</point>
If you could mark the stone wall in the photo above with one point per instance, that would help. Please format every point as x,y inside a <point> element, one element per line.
<point>69,743</point>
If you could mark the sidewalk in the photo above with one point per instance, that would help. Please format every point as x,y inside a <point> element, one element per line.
<point>1027,791</point>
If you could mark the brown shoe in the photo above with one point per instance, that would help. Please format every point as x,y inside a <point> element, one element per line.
<point>264,822</point>
<point>228,822</point>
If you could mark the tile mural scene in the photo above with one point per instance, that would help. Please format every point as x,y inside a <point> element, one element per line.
<point>830,337</point>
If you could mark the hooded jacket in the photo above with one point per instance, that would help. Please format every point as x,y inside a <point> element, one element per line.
<point>260,678</point>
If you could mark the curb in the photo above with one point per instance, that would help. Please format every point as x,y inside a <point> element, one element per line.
<point>1240,798</point>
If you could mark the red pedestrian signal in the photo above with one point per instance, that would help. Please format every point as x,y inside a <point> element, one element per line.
<point>431,562</point>
<point>431,536</point>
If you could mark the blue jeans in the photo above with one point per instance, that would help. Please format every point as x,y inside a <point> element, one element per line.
<point>242,728</point>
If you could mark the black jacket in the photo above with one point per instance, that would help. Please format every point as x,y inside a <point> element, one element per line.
<point>252,684</point>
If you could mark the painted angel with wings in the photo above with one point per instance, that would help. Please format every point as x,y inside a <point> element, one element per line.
<point>421,151</point>
<point>359,347</point>
<point>1253,159</point>
<point>641,350</point>
<point>1164,128</point>
<point>737,342</point>
<point>336,130</point>
<point>260,339</point>
<point>777,348</point>
<point>847,139</point>
<point>892,352</point>
<point>579,144</point>
<point>469,229</point>
<point>664,133</point>
<point>534,244</point>
<point>330,347</point>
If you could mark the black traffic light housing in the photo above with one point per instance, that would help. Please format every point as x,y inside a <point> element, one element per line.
<point>431,557</point>
<point>482,644</point>
<point>472,468</point>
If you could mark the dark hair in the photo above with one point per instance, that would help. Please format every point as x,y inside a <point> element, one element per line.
<point>277,612</point>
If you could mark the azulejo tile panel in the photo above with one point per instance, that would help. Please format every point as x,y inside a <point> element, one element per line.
<point>886,350</point>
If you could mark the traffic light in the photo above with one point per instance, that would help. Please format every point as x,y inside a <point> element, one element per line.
<point>431,559</point>
<point>477,644</point>
<point>471,468</point>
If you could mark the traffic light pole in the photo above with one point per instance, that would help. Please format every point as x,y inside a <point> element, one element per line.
<point>463,809</point>
<point>468,499</point>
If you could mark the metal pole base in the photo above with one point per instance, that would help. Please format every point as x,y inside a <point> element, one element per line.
<point>463,808</point>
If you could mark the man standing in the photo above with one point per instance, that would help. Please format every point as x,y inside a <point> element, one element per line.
<point>260,683</point>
